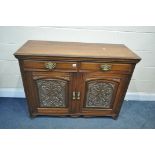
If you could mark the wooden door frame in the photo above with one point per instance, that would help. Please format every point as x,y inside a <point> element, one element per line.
<point>119,78</point>
<point>34,99</point>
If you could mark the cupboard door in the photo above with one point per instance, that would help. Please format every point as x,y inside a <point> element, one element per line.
<point>102,93</point>
<point>52,92</point>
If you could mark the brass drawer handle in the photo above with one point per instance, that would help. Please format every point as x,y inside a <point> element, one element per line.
<point>74,96</point>
<point>50,65</point>
<point>105,67</point>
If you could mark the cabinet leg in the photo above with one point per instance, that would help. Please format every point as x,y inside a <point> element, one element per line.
<point>32,115</point>
<point>115,117</point>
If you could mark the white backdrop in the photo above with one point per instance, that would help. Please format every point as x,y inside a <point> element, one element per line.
<point>139,39</point>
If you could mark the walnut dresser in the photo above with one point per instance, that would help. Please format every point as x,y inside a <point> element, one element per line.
<point>75,79</point>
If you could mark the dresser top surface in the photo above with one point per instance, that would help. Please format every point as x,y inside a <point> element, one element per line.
<point>75,49</point>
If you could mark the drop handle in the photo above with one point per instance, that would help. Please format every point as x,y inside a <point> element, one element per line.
<point>78,95</point>
<point>74,96</point>
<point>50,65</point>
<point>106,67</point>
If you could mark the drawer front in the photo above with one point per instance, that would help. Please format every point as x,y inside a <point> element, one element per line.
<point>50,66</point>
<point>105,67</point>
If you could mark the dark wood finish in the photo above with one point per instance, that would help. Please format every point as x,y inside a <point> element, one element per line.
<point>90,66</point>
<point>75,49</point>
<point>87,79</point>
<point>119,81</point>
<point>30,65</point>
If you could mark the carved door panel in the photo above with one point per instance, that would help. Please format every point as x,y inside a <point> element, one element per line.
<point>52,92</point>
<point>100,93</point>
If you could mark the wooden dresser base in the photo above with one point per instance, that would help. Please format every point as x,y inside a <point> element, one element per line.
<point>75,79</point>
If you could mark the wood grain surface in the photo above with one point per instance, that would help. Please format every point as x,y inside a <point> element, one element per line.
<point>75,49</point>
<point>80,64</point>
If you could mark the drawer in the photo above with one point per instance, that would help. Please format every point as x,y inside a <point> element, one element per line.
<point>50,66</point>
<point>105,67</point>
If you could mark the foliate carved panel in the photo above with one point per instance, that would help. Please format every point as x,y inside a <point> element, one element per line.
<point>99,94</point>
<point>52,92</point>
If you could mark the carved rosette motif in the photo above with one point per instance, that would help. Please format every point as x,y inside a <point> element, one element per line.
<point>99,94</point>
<point>52,92</point>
